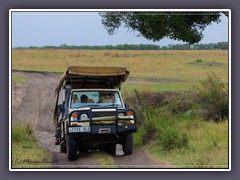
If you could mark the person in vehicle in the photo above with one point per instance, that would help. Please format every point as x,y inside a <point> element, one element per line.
<point>112,97</point>
<point>84,99</point>
<point>75,99</point>
<point>101,97</point>
<point>106,98</point>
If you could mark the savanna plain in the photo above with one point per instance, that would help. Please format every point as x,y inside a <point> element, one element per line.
<point>180,97</point>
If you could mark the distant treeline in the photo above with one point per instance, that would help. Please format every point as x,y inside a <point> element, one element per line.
<point>209,46</point>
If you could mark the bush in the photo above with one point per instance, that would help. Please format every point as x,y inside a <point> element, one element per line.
<point>172,138</point>
<point>199,60</point>
<point>212,95</point>
<point>144,101</point>
<point>150,130</point>
<point>181,102</point>
<point>209,99</point>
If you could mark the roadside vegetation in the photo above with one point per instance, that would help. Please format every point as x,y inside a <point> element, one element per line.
<point>103,160</point>
<point>18,79</point>
<point>188,129</point>
<point>25,151</point>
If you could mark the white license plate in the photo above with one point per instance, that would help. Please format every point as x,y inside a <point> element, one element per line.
<point>79,129</point>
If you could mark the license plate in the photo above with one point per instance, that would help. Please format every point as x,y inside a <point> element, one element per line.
<point>79,129</point>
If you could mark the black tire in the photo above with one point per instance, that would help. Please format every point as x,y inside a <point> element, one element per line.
<point>71,148</point>
<point>63,147</point>
<point>111,149</point>
<point>128,144</point>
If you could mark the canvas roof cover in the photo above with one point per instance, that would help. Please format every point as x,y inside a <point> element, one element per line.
<point>84,77</point>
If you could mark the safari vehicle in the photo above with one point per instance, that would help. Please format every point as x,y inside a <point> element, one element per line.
<point>90,113</point>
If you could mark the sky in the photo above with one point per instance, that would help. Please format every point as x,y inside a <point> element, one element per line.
<point>85,28</point>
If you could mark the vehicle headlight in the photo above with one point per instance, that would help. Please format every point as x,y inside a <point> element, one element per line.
<point>120,114</point>
<point>74,117</point>
<point>83,117</point>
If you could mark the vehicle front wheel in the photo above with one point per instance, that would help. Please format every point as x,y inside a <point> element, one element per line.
<point>128,144</point>
<point>71,148</point>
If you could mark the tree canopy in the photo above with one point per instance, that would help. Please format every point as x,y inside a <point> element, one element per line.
<point>185,26</point>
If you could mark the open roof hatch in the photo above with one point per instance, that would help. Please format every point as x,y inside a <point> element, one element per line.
<point>93,77</point>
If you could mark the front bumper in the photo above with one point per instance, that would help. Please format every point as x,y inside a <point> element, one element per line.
<point>102,129</point>
<point>104,125</point>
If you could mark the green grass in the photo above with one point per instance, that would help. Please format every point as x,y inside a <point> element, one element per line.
<point>183,140</point>
<point>25,151</point>
<point>104,160</point>
<point>157,86</point>
<point>18,79</point>
<point>172,131</point>
<point>208,146</point>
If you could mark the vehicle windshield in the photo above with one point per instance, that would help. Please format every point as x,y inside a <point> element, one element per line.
<point>95,99</point>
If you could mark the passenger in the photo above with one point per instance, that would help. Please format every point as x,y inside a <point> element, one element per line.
<point>75,99</point>
<point>101,97</point>
<point>105,98</point>
<point>84,99</point>
<point>112,96</point>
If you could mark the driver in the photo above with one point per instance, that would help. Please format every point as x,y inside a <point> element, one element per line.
<point>84,99</point>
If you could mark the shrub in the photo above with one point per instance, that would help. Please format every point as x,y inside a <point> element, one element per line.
<point>212,95</point>
<point>181,102</point>
<point>208,99</point>
<point>199,60</point>
<point>150,130</point>
<point>172,138</point>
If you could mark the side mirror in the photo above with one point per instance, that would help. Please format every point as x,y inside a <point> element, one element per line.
<point>127,105</point>
<point>61,107</point>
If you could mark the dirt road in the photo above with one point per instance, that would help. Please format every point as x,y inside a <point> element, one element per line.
<point>34,103</point>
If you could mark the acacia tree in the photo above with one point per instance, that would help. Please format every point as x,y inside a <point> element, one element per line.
<point>185,26</point>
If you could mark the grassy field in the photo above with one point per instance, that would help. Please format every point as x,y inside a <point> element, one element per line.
<point>182,128</point>
<point>198,143</point>
<point>162,70</point>
<point>161,86</point>
<point>184,141</point>
<point>207,147</point>
<point>25,151</point>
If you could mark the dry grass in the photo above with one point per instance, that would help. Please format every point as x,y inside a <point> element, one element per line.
<point>144,64</point>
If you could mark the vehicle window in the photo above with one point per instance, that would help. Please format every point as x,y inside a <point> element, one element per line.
<point>95,98</point>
